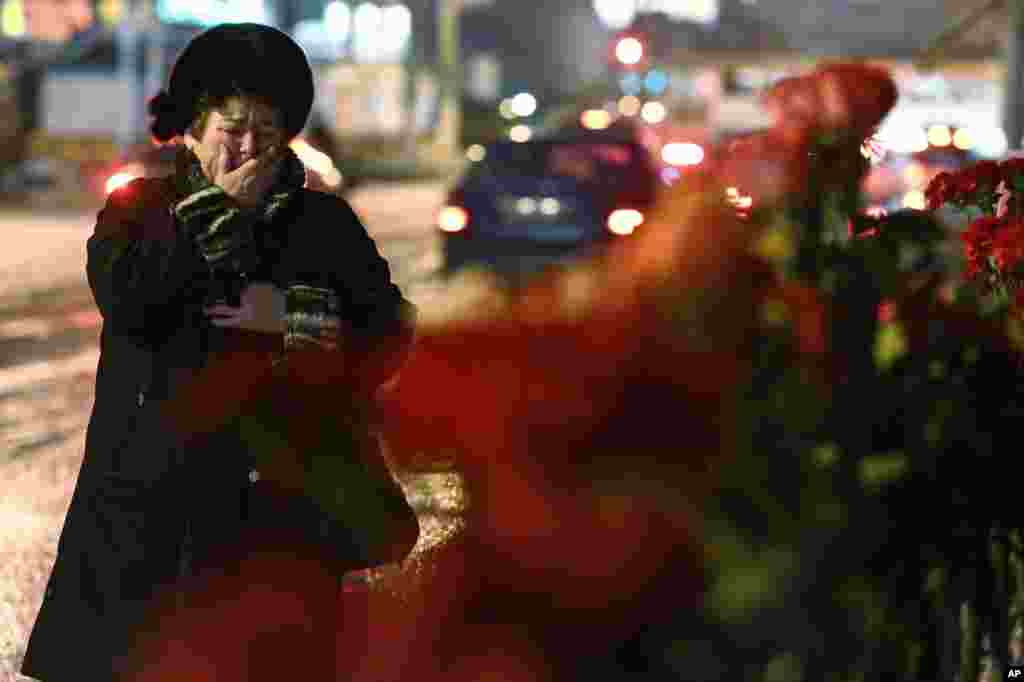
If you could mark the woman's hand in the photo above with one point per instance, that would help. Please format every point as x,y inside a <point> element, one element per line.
<point>262,310</point>
<point>249,183</point>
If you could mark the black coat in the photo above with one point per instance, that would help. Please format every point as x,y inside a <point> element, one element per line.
<point>157,495</point>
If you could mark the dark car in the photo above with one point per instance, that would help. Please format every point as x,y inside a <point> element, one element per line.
<point>528,205</point>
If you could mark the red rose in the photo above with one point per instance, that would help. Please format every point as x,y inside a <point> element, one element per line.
<point>939,190</point>
<point>1008,245</point>
<point>978,241</point>
<point>1010,168</point>
<point>855,96</point>
<point>987,174</point>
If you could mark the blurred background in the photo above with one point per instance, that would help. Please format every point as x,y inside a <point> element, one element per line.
<point>470,135</point>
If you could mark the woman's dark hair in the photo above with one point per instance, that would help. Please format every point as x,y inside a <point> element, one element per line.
<point>167,122</point>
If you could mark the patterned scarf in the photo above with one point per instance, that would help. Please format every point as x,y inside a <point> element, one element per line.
<point>231,239</point>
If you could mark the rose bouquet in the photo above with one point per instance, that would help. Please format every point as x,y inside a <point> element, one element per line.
<point>993,241</point>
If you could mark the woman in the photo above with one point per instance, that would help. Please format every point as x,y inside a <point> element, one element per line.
<point>231,474</point>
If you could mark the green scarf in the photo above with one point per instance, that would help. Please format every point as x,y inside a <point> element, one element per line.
<point>230,238</point>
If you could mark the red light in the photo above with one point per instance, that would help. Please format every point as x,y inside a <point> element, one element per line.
<point>117,181</point>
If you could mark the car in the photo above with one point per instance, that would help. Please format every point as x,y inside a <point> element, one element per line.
<point>157,160</point>
<point>527,206</point>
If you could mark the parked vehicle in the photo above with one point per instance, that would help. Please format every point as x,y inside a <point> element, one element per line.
<point>528,205</point>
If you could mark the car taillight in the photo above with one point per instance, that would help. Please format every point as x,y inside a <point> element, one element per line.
<point>452,218</point>
<point>118,180</point>
<point>625,220</point>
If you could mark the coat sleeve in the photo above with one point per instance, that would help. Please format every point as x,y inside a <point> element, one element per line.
<point>381,322</point>
<point>138,267</point>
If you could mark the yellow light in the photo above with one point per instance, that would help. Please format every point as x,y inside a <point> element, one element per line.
<point>629,51</point>
<point>939,136</point>
<point>595,119</point>
<point>653,112</point>
<point>12,19</point>
<point>682,153</point>
<point>625,220</point>
<point>914,174</point>
<point>110,11</point>
<point>732,192</point>
<point>550,206</point>
<point>962,139</point>
<point>507,109</point>
<point>311,157</point>
<point>629,105</point>
<point>914,199</point>
<point>520,133</point>
<point>526,205</point>
<point>476,152</point>
<point>118,180</point>
<point>452,219</point>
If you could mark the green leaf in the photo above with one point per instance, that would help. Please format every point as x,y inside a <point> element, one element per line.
<point>890,345</point>
<point>876,471</point>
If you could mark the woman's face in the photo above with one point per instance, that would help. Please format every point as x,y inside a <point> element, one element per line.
<point>246,127</point>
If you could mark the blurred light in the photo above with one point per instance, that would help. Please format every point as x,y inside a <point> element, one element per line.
<point>670,175</point>
<point>903,138</point>
<point>962,139</point>
<point>476,152</point>
<point>317,161</point>
<point>876,211</point>
<point>595,119</point>
<point>524,104</point>
<point>682,153</point>
<point>526,205</point>
<point>629,105</point>
<point>110,11</point>
<point>452,219</point>
<point>699,11</point>
<point>939,136</point>
<point>989,141</point>
<point>12,19</point>
<point>337,20</point>
<point>914,199</point>
<point>631,83</point>
<point>506,109</point>
<point>656,81</point>
<point>915,174</point>
<point>520,133</point>
<point>118,180</point>
<point>653,112</point>
<point>550,206</point>
<point>732,192</point>
<point>629,51</point>
<point>615,14</point>
<point>625,220</point>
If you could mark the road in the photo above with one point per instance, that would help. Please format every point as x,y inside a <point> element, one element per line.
<point>46,250</point>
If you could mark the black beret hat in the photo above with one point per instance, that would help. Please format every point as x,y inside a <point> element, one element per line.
<point>236,59</point>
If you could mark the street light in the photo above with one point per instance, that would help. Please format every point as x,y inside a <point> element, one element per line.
<point>629,51</point>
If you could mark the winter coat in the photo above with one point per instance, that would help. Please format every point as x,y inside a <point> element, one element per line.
<point>161,492</point>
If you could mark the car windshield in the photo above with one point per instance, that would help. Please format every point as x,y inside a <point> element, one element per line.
<point>586,162</point>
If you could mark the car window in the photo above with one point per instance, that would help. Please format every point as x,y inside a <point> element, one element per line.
<point>583,161</point>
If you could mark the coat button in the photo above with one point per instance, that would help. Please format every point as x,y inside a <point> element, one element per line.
<point>142,398</point>
<point>254,475</point>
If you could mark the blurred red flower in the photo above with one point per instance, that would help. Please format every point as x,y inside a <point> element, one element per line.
<point>978,241</point>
